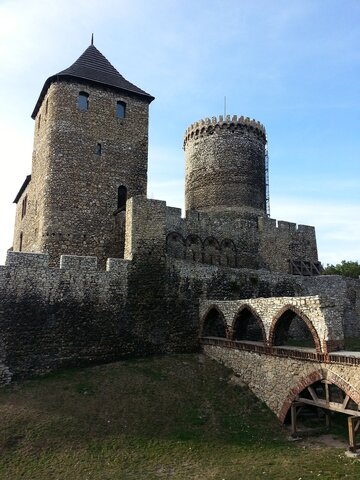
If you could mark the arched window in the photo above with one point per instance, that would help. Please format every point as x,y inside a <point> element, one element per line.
<point>83,101</point>
<point>120,109</point>
<point>122,197</point>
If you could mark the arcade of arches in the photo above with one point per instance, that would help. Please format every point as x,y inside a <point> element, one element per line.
<point>284,349</point>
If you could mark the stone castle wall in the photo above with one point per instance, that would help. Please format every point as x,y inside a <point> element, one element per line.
<point>220,283</point>
<point>226,239</point>
<point>274,378</point>
<point>56,317</point>
<point>77,314</point>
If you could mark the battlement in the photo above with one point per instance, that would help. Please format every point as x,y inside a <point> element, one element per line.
<point>207,126</point>
<point>83,263</point>
<point>281,225</point>
<point>27,260</point>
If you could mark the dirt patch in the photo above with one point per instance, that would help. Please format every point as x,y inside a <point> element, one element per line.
<point>327,440</point>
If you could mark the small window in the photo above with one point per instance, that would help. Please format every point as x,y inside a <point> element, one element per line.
<point>20,241</point>
<point>46,106</point>
<point>23,207</point>
<point>120,109</point>
<point>122,197</point>
<point>39,122</point>
<point>98,149</point>
<point>83,101</point>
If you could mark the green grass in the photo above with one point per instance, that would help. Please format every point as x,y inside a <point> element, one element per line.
<point>352,344</point>
<point>303,342</point>
<point>171,417</point>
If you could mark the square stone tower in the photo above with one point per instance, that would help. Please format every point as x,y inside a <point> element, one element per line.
<point>90,155</point>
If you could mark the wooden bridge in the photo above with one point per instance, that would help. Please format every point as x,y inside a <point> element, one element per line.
<point>289,351</point>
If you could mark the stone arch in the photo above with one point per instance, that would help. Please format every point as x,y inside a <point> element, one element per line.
<point>227,253</point>
<point>247,325</point>
<point>211,249</point>
<point>193,248</point>
<point>314,377</point>
<point>175,245</point>
<point>281,323</point>
<point>213,323</point>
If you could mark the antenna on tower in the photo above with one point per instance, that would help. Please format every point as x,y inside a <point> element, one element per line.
<point>225,107</point>
<point>92,39</point>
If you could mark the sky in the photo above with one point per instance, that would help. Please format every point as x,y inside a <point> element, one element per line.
<point>293,65</point>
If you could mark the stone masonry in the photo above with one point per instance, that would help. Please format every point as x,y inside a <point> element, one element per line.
<point>98,271</point>
<point>277,380</point>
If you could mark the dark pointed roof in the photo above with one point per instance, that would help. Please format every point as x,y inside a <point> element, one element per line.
<point>22,189</point>
<point>93,67</point>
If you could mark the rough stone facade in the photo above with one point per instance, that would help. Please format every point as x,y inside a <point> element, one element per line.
<point>225,166</point>
<point>85,207</point>
<point>276,380</point>
<point>322,315</point>
<point>226,239</point>
<point>72,198</point>
<point>86,158</point>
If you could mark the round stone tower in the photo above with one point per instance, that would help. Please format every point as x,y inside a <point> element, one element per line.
<point>225,166</point>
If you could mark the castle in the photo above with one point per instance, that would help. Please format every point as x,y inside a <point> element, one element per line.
<point>98,271</point>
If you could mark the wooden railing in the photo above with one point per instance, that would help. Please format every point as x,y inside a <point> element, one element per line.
<point>299,353</point>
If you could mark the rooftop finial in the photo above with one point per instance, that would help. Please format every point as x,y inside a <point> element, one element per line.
<point>92,39</point>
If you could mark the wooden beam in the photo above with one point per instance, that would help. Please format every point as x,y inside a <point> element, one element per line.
<point>346,401</point>
<point>357,425</point>
<point>352,433</point>
<point>334,406</point>
<point>327,393</point>
<point>293,420</point>
<point>313,394</point>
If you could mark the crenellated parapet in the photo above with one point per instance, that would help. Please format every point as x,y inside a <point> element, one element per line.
<point>225,166</point>
<point>23,261</point>
<point>207,125</point>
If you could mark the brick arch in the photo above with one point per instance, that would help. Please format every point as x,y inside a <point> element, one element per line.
<point>303,317</point>
<point>204,317</point>
<point>255,315</point>
<point>314,377</point>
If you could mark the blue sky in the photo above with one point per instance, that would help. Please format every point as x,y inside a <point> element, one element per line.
<point>293,65</point>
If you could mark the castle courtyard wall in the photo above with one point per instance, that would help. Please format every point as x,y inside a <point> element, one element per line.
<point>78,314</point>
<point>261,243</point>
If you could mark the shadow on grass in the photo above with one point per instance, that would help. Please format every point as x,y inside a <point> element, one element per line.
<point>177,398</point>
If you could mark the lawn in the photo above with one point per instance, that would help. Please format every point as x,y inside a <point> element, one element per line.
<point>169,417</point>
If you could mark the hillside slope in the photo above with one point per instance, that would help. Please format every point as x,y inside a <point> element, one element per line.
<point>170,417</point>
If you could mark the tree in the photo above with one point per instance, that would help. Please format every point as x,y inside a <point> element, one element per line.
<point>347,268</point>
